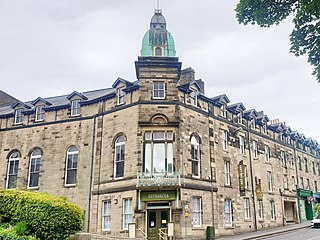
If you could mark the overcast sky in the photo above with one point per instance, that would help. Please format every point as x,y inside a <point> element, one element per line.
<point>49,48</point>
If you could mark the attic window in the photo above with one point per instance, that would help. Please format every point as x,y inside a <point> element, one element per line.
<point>240,118</point>
<point>75,107</point>
<point>223,111</point>
<point>18,116</point>
<point>194,97</point>
<point>253,123</point>
<point>39,113</point>
<point>120,95</point>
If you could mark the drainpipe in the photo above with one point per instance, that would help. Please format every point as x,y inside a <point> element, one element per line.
<point>252,181</point>
<point>91,172</point>
<point>297,185</point>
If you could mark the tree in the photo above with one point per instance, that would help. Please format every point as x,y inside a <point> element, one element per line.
<point>305,37</point>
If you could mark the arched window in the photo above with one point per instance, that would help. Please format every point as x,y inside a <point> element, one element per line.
<point>119,157</point>
<point>34,169</point>
<point>71,166</point>
<point>13,168</point>
<point>158,51</point>
<point>195,156</point>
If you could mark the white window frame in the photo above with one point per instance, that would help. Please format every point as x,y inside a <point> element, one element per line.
<point>18,116</point>
<point>228,213</point>
<point>120,95</point>
<point>227,176</point>
<point>195,156</point>
<point>253,123</point>
<point>75,107</point>
<point>285,181</point>
<point>260,209</point>
<point>264,127</point>
<point>246,207</point>
<point>194,97</point>
<point>159,90</point>
<point>197,212</point>
<point>223,110</point>
<point>273,210</point>
<point>267,152</point>
<point>72,153</point>
<point>39,113</point>
<point>282,157</point>
<point>106,215</point>
<point>126,213</point>
<point>239,115</point>
<point>301,183</point>
<point>255,149</point>
<point>293,183</point>
<point>13,171</point>
<point>241,145</point>
<point>269,180</point>
<point>119,155</point>
<point>34,167</point>
<point>225,140</point>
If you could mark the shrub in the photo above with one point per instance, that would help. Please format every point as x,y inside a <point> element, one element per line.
<point>21,228</point>
<point>46,216</point>
<point>6,234</point>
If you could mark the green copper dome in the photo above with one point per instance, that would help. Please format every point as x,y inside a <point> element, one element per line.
<point>158,41</point>
<point>148,50</point>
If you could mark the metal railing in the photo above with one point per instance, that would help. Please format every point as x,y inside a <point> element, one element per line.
<point>162,234</point>
<point>144,235</point>
<point>158,179</point>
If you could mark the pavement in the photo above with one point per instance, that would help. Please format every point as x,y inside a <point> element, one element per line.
<point>261,234</point>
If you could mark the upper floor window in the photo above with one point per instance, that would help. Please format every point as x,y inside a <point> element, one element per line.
<point>308,184</point>
<point>71,166</point>
<point>34,169</point>
<point>227,176</point>
<point>313,168</point>
<point>158,152</point>
<point>300,163</point>
<point>267,153</point>
<point>18,116</point>
<point>194,97</point>
<point>159,91</point>
<point>224,140</point>
<point>13,168</point>
<point>282,157</point>
<point>316,186</point>
<point>264,127</point>
<point>241,145</point>
<point>120,96</point>
<point>255,149</point>
<point>106,215</point>
<point>119,157</point>
<point>39,113</point>
<point>196,212</point>
<point>269,179</point>
<point>126,213</point>
<point>223,109</point>
<point>301,183</point>
<point>306,165</point>
<point>253,123</point>
<point>75,107</point>
<point>285,181</point>
<point>195,156</point>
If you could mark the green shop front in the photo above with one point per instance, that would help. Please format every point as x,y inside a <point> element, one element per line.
<point>307,200</point>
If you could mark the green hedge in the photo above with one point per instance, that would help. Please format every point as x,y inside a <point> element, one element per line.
<point>47,216</point>
<point>10,235</point>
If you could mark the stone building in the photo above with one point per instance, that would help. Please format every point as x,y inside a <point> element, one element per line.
<point>159,153</point>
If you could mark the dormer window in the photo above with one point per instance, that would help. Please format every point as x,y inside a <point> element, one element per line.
<point>18,116</point>
<point>75,107</point>
<point>159,90</point>
<point>253,123</point>
<point>194,97</point>
<point>223,109</point>
<point>264,127</point>
<point>120,96</point>
<point>39,113</point>
<point>240,118</point>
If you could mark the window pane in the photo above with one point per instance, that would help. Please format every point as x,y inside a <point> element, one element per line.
<point>71,176</point>
<point>159,135</point>
<point>159,158</point>
<point>169,158</point>
<point>120,169</point>
<point>147,158</point>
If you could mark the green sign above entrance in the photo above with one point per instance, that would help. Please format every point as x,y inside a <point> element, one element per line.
<point>158,196</point>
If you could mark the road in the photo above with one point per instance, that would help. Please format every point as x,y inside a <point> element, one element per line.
<point>301,234</point>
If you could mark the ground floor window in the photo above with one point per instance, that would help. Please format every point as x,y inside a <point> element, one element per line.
<point>106,215</point>
<point>127,213</point>
<point>246,208</point>
<point>196,212</point>
<point>260,209</point>
<point>273,210</point>
<point>228,212</point>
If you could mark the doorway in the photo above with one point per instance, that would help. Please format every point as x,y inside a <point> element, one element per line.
<point>308,207</point>
<point>157,220</point>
